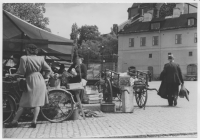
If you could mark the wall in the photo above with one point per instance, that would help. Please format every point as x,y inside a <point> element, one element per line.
<point>139,56</point>
<point>180,51</point>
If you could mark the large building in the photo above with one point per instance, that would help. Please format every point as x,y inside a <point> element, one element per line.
<point>153,31</point>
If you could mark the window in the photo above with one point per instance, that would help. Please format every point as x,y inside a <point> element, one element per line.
<point>195,37</point>
<point>150,55</point>
<point>131,42</point>
<point>190,53</point>
<point>155,40</point>
<point>142,12</point>
<point>178,39</point>
<point>190,22</point>
<point>192,69</point>
<point>143,41</point>
<point>155,26</point>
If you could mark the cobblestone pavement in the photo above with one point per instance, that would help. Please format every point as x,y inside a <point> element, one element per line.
<point>157,119</point>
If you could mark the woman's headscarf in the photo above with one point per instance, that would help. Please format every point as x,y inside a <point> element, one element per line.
<point>32,49</point>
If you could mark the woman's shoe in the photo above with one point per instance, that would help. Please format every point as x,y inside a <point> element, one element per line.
<point>33,125</point>
<point>11,125</point>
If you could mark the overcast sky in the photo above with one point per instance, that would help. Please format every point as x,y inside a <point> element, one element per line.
<point>103,15</point>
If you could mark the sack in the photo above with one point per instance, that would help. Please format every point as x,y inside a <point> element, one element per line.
<point>23,85</point>
<point>54,82</point>
<point>65,78</point>
<point>184,93</point>
<point>83,82</point>
<point>163,90</point>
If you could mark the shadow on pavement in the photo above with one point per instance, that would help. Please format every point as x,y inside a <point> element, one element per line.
<point>166,106</point>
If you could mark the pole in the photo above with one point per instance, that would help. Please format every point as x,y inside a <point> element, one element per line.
<point>88,59</point>
<point>102,61</point>
<point>22,44</point>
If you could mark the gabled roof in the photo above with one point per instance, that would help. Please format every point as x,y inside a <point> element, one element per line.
<point>165,24</point>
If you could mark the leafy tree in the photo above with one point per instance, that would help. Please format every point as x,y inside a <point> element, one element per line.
<point>110,43</point>
<point>74,33</point>
<point>90,49</point>
<point>166,9</point>
<point>90,42</point>
<point>88,33</point>
<point>30,12</point>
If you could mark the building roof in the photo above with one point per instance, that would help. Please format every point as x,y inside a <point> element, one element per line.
<point>136,4</point>
<point>165,24</point>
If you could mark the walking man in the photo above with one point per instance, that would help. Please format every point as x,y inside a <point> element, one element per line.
<point>173,78</point>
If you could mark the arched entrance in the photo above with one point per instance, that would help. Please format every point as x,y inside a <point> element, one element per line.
<point>191,72</point>
<point>150,69</point>
<point>192,69</point>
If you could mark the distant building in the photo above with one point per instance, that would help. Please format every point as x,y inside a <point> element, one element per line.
<point>155,30</point>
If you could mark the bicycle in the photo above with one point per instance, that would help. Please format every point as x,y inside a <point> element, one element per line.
<point>59,108</point>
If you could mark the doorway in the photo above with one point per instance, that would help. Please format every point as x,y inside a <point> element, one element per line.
<point>150,69</point>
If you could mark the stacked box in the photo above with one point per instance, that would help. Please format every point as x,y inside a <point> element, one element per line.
<point>92,95</point>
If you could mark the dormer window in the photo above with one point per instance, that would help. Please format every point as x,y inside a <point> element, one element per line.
<point>155,26</point>
<point>142,12</point>
<point>191,22</point>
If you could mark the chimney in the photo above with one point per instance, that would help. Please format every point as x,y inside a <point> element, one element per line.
<point>115,28</point>
<point>176,12</point>
<point>147,17</point>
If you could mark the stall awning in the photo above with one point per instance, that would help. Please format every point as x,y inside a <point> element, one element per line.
<point>14,27</point>
<point>61,57</point>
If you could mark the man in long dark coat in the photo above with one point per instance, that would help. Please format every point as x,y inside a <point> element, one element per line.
<point>173,78</point>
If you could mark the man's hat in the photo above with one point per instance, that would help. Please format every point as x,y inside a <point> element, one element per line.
<point>170,56</point>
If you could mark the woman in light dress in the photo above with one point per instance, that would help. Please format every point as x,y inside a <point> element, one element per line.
<point>36,94</point>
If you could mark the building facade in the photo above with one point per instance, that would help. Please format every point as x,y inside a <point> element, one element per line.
<point>147,41</point>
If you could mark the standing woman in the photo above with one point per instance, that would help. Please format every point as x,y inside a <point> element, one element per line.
<point>36,94</point>
<point>78,73</point>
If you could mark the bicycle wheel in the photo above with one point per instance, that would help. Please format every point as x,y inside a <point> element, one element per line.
<point>9,107</point>
<point>141,98</point>
<point>59,108</point>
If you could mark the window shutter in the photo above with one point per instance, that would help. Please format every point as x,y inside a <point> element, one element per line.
<point>153,40</point>
<point>188,22</point>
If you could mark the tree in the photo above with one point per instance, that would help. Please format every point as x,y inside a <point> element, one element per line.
<point>166,9</point>
<point>88,33</point>
<point>74,33</point>
<point>30,12</point>
<point>90,42</point>
<point>110,43</point>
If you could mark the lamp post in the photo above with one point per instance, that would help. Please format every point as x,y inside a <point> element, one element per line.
<point>88,57</point>
<point>102,58</point>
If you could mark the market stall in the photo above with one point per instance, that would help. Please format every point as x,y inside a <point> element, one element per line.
<point>17,33</point>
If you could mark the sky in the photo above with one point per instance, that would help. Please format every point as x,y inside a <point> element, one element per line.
<point>103,15</point>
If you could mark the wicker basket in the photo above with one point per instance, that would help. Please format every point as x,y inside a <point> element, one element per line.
<point>7,85</point>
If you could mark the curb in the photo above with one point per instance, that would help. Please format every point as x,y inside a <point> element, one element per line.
<point>145,135</point>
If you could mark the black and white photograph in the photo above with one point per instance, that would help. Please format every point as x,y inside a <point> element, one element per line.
<point>99,69</point>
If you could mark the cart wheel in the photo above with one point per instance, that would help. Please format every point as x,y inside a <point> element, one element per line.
<point>141,98</point>
<point>107,91</point>
<point>99,84</point>
<point>9,107</point>
<point>60,106</point>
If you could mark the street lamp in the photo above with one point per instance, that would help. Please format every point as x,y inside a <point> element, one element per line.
<point>88,57</point>
<point>102,61</point>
